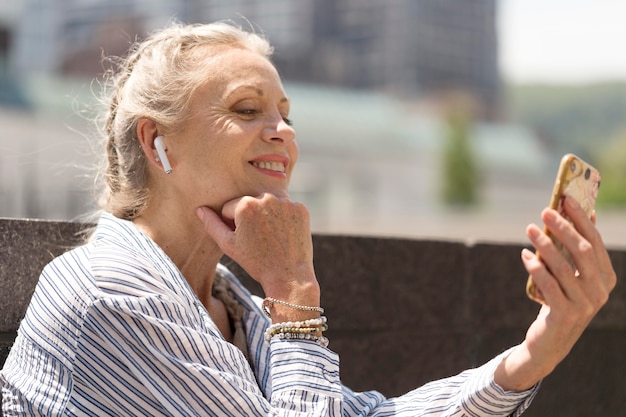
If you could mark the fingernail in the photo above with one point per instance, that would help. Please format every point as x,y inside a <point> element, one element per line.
<point>200,212</point>
<point>527,254</point>
<point>550,215</point>
<point>533,233</point>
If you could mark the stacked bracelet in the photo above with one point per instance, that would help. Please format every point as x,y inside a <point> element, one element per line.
<point>303,330</point>
<point>268,302</point>
<point>322,340</point>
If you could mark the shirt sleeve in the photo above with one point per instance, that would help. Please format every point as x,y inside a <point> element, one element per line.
<point>147,356</point>
<point>472,393</point>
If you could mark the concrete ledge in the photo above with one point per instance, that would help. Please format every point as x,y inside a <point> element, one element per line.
<point>401,312</point>
<point>25,247</point>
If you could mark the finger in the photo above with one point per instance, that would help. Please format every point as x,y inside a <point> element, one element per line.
<point>590,255</point>
<point>229,209</point>
<point>582,221</point>
<point>216,228</point>
<point>596,277</point>
<point>556,264</point>
<point>546,284</point>
<point>561,229</point>
<point>585,226</point>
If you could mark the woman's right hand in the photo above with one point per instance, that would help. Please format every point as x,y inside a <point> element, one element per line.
<point>271,240</point>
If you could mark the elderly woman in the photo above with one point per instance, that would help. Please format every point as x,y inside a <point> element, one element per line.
<point>143,320</point>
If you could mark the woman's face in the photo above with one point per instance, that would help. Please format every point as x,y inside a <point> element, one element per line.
<point>238,140</point>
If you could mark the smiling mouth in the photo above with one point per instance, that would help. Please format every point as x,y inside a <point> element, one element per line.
<point>271,166</point>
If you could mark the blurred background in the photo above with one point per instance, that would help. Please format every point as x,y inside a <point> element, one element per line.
<point>434,119</point>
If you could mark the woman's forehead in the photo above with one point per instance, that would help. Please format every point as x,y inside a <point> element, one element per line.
<point>239,70</point>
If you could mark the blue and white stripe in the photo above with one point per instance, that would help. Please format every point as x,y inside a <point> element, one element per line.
<point>113,328</point>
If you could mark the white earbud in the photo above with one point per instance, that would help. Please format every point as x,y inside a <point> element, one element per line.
<point>160,148</point>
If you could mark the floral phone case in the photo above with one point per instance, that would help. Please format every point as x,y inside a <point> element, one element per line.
<point>579,180</point>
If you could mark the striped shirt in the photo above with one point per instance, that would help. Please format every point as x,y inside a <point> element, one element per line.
<point>113,328</point>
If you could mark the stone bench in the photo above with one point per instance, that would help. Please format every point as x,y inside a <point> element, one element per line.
<point>401,312</point>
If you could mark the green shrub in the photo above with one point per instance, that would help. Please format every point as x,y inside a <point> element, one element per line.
<point>611,162</point>
<point>460,176</point>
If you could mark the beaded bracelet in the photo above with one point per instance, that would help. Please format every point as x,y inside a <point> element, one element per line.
<point>268,302</point>
<point>322,340</point>
<point>305,323</point>
<point>299,327</point>
<point>303,330</point>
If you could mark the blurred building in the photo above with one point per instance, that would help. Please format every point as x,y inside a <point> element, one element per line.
<point>405,47</point>
<point>358,72</point>
<point>70,37</point>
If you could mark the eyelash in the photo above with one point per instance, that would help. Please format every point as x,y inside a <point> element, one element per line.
<point>247,112</point>
<point>252,112</point>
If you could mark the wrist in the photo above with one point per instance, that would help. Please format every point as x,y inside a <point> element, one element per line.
<point>300,289</point>
<point>518,371</point>
<point>270,302</point>
<point>303,290</point>
<point>302,304</point>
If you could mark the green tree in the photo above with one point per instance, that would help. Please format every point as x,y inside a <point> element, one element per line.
<point>460,174</point>
<point>612,166</point>
<point>569,117</point>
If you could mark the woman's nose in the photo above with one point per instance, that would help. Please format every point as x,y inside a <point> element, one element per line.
<point>278,130</point>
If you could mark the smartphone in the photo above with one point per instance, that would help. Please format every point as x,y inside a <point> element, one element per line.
<point>579,180</point>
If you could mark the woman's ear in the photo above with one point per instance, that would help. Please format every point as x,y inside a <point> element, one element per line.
<point>147,133</point>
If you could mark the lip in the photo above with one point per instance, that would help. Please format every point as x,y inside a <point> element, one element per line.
<point>271,158</point>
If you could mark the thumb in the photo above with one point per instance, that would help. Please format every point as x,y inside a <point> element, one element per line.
<point>216,228</point>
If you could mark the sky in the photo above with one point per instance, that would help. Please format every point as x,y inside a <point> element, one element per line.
<point>562,41</point>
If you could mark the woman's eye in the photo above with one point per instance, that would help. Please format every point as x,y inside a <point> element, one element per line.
<point>247,112</point>
<point>250,113</point>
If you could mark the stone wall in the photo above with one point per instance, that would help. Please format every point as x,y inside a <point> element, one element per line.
<point>401,312</point>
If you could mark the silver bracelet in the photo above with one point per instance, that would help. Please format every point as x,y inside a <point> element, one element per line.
<point>268,302</point>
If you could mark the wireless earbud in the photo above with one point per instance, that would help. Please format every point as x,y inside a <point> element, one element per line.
<point>160,148</point>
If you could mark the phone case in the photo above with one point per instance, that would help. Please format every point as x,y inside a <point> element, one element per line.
<point>580,181</point>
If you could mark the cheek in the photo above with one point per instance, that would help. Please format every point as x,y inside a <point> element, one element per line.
<point>294,153</point>
<point>219,123</point>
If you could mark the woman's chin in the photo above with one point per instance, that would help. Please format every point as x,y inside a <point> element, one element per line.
<point>279,192</point>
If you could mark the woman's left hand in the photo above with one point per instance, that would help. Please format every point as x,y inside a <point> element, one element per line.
<point>573,296</point>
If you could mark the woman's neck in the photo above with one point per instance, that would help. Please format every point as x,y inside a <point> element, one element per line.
<point>194,253</point>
